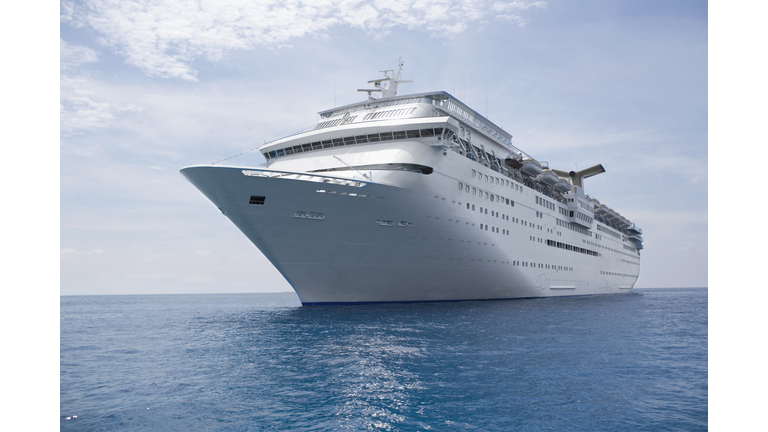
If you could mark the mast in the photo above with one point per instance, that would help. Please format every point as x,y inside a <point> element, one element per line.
<point>387,85</point>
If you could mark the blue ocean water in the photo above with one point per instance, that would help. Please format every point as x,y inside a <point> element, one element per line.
<point>261,362</point>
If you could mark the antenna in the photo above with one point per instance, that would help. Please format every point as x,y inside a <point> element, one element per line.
<point>387,85</point>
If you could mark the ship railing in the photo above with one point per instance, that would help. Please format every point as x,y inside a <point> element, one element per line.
<point>302,177</point>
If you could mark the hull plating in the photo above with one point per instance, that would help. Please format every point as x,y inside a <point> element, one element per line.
<point>373,241</point>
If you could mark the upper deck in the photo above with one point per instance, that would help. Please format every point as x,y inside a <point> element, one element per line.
<point>389,112</point>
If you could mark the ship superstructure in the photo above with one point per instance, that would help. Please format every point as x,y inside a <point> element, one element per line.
<point>420,198</point>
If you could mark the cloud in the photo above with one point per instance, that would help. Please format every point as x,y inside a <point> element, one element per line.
<point>163,37</point>
<point>73,56</point>
<point>70,251</point>
<point>80,108</point>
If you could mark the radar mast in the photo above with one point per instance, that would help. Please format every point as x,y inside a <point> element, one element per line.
<point>387,85</point>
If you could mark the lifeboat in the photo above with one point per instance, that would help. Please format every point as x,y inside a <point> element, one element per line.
<point>601,209</point>
<point>513,160</point>
<point>563,185</point>
<point>531,167</point>
<point>548,177</point>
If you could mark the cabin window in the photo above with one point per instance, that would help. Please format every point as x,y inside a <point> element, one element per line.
<point>461,186</point>
<point>258,200</point>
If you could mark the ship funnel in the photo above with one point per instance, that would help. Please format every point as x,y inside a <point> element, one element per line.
<point>578,176</point>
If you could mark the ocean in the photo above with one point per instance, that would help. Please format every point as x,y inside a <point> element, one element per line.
<point>261,362</point>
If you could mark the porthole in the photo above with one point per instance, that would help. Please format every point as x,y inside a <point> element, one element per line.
<point>461,186</point>
<point>492,198</point>
<point>474,191</point>
<point>486,195</point>
<point>474,173</point>
<point>486,179</point>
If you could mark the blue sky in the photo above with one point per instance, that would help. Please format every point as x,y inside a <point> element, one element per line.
<point>149,87</point>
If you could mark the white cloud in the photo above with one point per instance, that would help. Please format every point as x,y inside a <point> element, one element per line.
<point>73,56</point>
<point>70,251</point>
<point>80,107</point>
<point>163,37</point>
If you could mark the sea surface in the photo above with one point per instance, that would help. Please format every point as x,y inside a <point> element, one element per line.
<point>261,362</point>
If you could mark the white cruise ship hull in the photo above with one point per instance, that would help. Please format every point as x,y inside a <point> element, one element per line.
<point>402,237</point>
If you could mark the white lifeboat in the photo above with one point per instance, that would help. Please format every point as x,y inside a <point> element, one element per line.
<point>531,167</point>
<point>548,177</point>
<point>563,185</point>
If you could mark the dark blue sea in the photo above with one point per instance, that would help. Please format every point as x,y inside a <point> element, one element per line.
<point>261,362</point>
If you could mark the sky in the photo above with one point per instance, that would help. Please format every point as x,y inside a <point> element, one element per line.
<point>148,87</point>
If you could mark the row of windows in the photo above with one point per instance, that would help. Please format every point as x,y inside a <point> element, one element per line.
<point>542,266</point>
<point>488,195</point>
<point>542,202</point>
<point>608,231</point>
<point>574,227</point>
<point>504,216</point>
<point>377,104</point>
<point>494,229</point>
<point>389,113</point>
<point>358,139</point>
<point>336,122</point>
<point>582,216</point>
<point>572,248</point>
<point>616,274</point>
<point>497,180</point>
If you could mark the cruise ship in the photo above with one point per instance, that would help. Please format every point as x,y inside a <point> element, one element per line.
<point>418,198</point>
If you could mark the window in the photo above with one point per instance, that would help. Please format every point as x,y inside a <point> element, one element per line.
<point>258,200</point>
